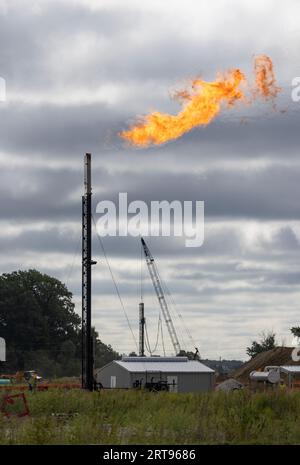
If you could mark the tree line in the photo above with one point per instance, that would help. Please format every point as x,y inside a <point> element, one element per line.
<point>43,332</point>
<point>41,328</point>
<point>267,342</point>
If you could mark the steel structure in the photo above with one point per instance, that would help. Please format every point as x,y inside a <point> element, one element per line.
<point>87,341</point>
<point>160,295</point>
<point>141,330</point>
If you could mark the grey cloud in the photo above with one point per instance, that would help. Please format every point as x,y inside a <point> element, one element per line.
<point>136,44</point>
<point>284,239</point>
<point>230,289</point>
<point>30,37</point>
<point>265,194</point>
<point>64,132</point>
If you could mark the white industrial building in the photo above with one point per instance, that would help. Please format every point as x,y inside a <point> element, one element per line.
<point>177,374</point>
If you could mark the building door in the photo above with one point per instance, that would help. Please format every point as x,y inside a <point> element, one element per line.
<point>172,383</point>
<point>113,382</point>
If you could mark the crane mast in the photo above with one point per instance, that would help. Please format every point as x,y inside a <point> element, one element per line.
<point>160,295</point>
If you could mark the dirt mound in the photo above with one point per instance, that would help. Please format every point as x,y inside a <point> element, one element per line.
<point>277,356</point>
<point>229,385</point>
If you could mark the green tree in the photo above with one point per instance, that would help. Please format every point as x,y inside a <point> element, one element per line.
<point>189,354</point>
<point>40,326</point>
<point>36,314</point>
<point>295,330</point>
<point>103,353</point>
<point>267,342</point>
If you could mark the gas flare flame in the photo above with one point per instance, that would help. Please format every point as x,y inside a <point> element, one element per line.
<point>202,102</point>
<point>265,78</point>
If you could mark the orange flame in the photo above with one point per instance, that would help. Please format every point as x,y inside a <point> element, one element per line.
<point>201,104</point>
<point>265,77</point>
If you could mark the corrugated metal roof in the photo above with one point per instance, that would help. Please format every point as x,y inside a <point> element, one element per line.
<point>290,368</point>
<point>154,359</point>
<point>141,366</point>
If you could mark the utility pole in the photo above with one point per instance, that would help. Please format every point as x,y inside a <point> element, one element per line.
<point>87,340</point>
<point>142,330</point>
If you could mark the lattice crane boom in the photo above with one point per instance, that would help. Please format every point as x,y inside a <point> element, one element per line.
<point>160,295</point>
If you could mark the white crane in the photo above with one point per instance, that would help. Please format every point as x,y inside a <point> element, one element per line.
<point>160,295</point>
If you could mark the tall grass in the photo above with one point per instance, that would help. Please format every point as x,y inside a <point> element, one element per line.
<point>135,417</point>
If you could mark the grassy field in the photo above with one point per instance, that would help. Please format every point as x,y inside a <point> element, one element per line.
<point>129,417</point>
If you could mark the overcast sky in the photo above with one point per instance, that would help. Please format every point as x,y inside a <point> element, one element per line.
<point>78,72</point>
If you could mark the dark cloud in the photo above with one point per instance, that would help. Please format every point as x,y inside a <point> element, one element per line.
<point>76,76</point>
<point>268,193</point>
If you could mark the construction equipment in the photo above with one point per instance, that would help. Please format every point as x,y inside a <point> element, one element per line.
<point>21,376</point>
<point>31,374</point>
<point>160,295</point>
<point>5,382</point>
<point>155,386</point>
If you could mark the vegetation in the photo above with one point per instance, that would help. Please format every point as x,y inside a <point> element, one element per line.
<point>190,355</point>
<point>128,417</point>
<point>40,326</point>
<point>267,342</point>
<point>296,331</point>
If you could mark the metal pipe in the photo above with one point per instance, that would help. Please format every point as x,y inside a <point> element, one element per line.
<point>142,330</point>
